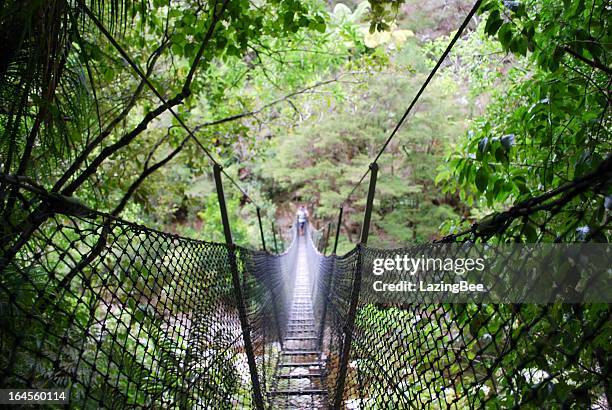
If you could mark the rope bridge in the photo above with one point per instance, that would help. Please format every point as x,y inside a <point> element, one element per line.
<point>122,316</point>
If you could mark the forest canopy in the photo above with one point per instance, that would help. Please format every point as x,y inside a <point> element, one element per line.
<point>294,98</point>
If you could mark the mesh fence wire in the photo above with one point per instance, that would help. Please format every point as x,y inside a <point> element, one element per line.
<point>473,355</point>
<point>434,355</point>
<point>122,316</point>
<point>335,291</point>
<point>267,292</point>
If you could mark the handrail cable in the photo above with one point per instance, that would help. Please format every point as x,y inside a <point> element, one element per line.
<point>448,49</point>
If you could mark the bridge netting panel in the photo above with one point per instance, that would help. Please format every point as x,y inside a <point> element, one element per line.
<point>468,355</point>
<point>122,316</point>
<point>268,293</point>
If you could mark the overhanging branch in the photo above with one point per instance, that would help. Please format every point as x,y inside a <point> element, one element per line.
<point>285,98</point>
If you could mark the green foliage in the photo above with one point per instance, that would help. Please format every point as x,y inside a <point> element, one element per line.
<point>323,158</point>
<point>549,29</point>
<point>249,78</point>
<point>211,219</point>
<point>548,123</point>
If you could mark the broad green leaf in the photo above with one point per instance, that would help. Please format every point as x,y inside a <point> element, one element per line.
<point>493,24</point>
<point>482,178</point>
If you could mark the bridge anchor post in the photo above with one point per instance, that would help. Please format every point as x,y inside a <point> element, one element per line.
<point>356,288</point>
<point>274,236</point>
<point>367,216</point>
<point>338,230</point>
<point>261,232</point>
<point>242,313</point>
<point>326,238</point>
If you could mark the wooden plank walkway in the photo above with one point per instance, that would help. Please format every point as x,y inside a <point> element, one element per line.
<point>298,382</point>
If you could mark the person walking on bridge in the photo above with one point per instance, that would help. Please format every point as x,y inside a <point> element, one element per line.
<point>302,218</point>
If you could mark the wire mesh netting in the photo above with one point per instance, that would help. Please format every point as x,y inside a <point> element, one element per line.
<point>268,294</point>
<point>123,316</point>
<point>427,354</point>
<point>467,355</point>
<point>335,288</point>
<point>299,376</point>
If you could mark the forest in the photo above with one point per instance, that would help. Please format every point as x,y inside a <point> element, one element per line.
<point>518,107</point>
<point>488,122</point>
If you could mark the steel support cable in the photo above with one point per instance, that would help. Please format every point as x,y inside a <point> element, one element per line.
<point>146,80</point>
<point>433,72</point>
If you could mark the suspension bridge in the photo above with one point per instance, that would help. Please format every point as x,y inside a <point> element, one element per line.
<point>119,315</point>
<point>298,379</point>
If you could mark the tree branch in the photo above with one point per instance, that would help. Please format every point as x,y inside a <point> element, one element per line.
<point>592,63</point>
<point>151,115</point>
<point>145,173</point>
<point>272,103</point>
<point>211,29</point>
<point>111,126</point>
<point>497,223</point>
<point>123,142</point>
